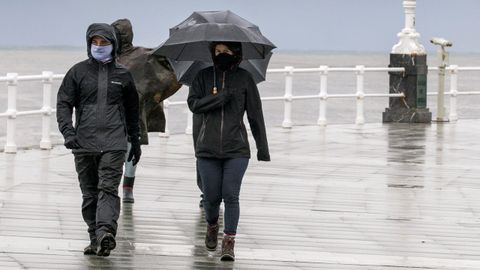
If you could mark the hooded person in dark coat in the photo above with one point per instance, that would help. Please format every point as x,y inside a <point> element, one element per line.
<point>220,96</point>
<point>105,100</point>
<point>155,81</point>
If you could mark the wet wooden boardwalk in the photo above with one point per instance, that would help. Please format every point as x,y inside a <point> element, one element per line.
<point>343,197</point>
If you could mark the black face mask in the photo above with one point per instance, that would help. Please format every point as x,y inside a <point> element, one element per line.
<point>224,61</point>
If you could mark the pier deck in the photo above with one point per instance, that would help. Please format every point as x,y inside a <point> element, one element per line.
<point>380,196</point>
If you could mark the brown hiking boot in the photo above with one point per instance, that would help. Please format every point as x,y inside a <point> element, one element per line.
<point>228,244</point>
<point>211,238</point>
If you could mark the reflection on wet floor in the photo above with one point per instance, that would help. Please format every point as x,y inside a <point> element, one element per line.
<point>392,196</point>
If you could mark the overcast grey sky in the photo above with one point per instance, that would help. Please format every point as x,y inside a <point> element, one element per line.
<point>353,25</point>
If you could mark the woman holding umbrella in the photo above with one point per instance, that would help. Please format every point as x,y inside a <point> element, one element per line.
<point>222,94</point>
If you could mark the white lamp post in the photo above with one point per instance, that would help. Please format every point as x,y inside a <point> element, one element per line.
<point>412,83</point>
<point>408,43</point>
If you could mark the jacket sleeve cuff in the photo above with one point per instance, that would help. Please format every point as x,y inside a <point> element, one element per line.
<point>263,156</point>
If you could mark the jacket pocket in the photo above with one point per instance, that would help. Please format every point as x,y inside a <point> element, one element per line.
<point>115,90</point>
<point>239,99</point>
<point>78,117</point>
<point>241,132</point>
<point>201,136</point>
<point>86,127</point>
<point>114,134</point>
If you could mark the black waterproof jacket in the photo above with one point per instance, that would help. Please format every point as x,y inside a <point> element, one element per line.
<point>104,98</point>
<point>154,79</point>
<point>222,133</point>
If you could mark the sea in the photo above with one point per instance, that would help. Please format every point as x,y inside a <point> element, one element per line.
<point>32,61</point>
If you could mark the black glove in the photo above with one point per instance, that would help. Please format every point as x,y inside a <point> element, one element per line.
<point>71,143</point>
<point>263,156</point>
<point>135,151</point>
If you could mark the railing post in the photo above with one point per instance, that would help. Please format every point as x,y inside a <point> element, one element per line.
<point>46,143</point>
<point>443,55</point>
<point>10,145</point>
<point>287,120</point>
<point>188,130</point>
<point>322,116</point>
<point>453,93</point>
<point>360,120</point>
<point>166,104</point>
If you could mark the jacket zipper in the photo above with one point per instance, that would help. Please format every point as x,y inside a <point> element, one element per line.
<point>103,69</point>
<point>221,123</point>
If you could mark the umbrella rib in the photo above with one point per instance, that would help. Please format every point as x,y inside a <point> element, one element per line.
<point>180,53</point>
<point>260,52</point>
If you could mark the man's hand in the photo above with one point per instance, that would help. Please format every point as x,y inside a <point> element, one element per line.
<point>135,151</point>
<point>71,143</point>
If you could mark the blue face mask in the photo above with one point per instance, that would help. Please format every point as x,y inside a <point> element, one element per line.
<point>102,53</point>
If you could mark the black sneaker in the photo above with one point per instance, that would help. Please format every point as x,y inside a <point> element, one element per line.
<point>91,249</point>
<point>211,238</point>
<point>228,245</point>
<point>106,243</point>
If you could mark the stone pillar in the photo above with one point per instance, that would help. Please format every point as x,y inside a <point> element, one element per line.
<point>409,54</point>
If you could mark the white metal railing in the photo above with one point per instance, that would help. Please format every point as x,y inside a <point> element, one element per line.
<point>46,111</point>
<point>323,95</point>
<point>48,77</point>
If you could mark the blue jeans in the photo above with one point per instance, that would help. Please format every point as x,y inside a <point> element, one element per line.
<point>221,179</point>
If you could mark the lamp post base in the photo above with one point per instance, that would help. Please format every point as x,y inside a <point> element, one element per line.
<point>405,115</point>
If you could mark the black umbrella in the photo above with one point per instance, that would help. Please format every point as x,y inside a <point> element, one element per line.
<point>190,40</point>
<point>187,70</point>
<point>226,16</point>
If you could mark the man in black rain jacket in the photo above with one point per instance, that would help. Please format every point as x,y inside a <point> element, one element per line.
<point>105,99</point>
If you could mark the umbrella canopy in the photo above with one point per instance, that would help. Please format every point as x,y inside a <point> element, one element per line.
<point>187,70</point>
<point>226,16</point>
<point>190,40</point>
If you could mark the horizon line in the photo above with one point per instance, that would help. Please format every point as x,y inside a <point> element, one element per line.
<point>277,50</point>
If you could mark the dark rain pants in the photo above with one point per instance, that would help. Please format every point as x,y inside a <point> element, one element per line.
<point>99,175</point>
<point>221,179</point>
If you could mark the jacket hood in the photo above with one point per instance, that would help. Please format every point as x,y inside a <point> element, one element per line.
<point>104,30</point>
<point>124,33</point>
